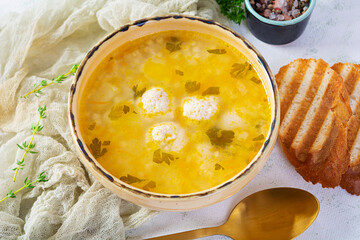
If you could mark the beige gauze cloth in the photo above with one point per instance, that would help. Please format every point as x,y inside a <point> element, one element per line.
<point>42,43</point>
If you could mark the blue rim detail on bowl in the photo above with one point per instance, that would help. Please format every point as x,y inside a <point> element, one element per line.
<point>144,193</point>
<point>280,23</point>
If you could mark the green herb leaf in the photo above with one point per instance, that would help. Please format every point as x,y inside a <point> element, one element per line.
<point>217,51</point>
<point>126,109</point>
<point>220,137</point>
<point>43,83</point>
<point>96,149</point>
<point>129,179</point>
<point>42,178</point>
<point>240,69</point>
<point>20,163</point>
<point>174,45</point>
<point>259,138</point>
<point>137,92</point>
<point>92,126</point>
<point>166,157</point>
<point>149,185</point>
<point>106,143</point>
<point>11,194</point>
<point>255,80</point>
<point>233,9</point>
<point>218,167</point>
<point>211,91</point>
<point>159,157</point>
<point>178,72</point>
<point>191,87</point>
<point>118,110</point>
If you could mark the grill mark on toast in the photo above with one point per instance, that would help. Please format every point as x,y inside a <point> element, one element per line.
<point>290,83</point>
<point>344,70</point>
<point>355,150</point>
<point>283,74</point>
<point>351,77</point>
<point>353,128</point>
<point>316,114</point>
<point>300,104</point>
<point>325,139</point>
<point>355,96</point>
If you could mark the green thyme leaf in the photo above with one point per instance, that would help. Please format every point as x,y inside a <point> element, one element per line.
<point>258,138</point>
<point>240,69</point>
<point>220,137</point>
<point>96,149</point>
<point>138,92</point>
<point>43,83</point>
<point>42,177</point>
<point>218,167</point>
<point>149,185</point>
<point>217,51</point>
<point>10,194</point>
<point>211,91</point>
<point>129,179</point>
<point>192,86</point>
<point>178,72</point>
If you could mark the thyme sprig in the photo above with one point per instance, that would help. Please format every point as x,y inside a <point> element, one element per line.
<point>44,83</point>
<point>27,184</point>
<point>27,147</point>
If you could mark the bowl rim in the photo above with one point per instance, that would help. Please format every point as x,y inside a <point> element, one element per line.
<point>280,23</point>
<point>80,146</point>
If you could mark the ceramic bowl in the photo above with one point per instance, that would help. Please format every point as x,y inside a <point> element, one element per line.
<point>171,202</point>
<point>276,32</point>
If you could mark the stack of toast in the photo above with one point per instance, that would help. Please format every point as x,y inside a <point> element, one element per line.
<point>320,121</point>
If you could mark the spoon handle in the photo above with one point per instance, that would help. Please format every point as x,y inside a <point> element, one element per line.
<point>197,233</point>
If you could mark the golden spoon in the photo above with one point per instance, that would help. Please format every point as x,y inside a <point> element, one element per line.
<point>276,213</point>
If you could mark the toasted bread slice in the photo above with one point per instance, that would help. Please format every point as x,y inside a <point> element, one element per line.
<point>314,114</point>
<point>351,76</point>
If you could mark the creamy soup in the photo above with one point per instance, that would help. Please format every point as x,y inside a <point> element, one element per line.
<point>175,112</point>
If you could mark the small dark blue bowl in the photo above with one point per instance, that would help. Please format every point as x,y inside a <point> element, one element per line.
<point>276,32</point>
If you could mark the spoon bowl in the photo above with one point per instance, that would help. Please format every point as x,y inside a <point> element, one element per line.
<point>280,213</point>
